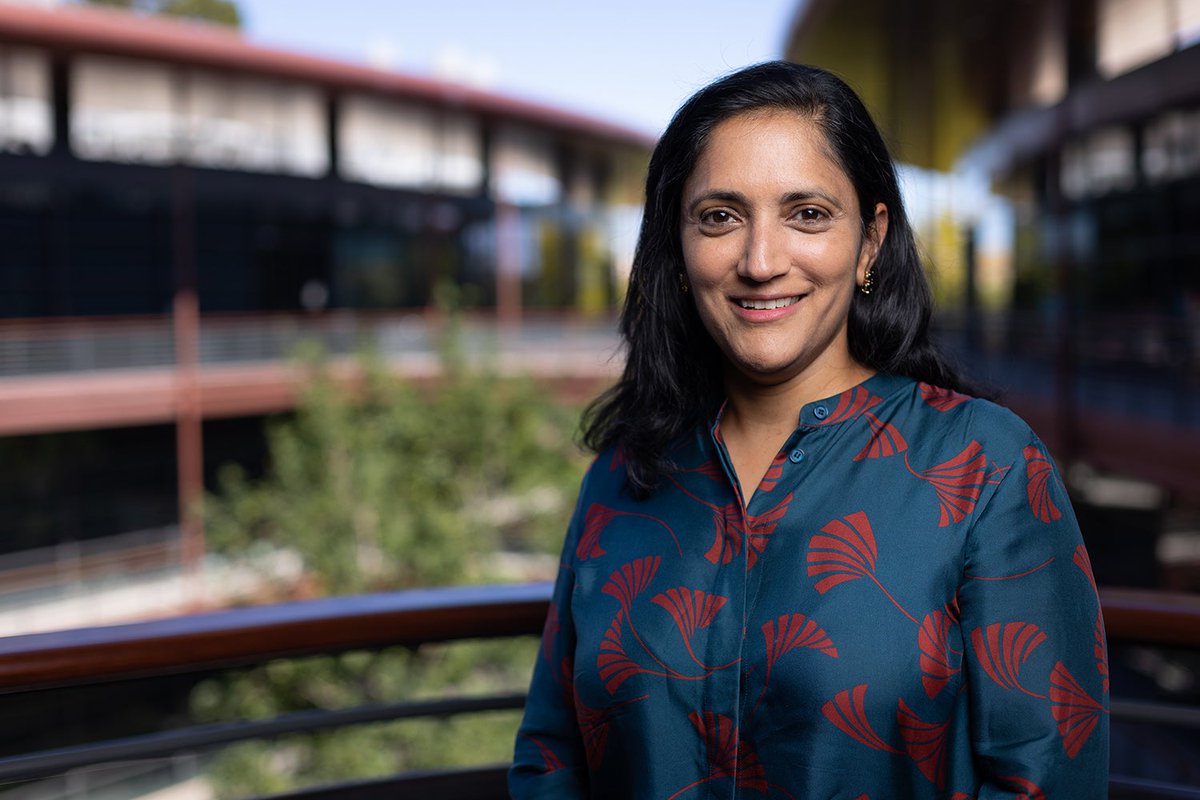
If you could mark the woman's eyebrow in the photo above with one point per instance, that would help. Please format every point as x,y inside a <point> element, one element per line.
<point>810,194</point>
<point>737,198</point>
<point>724,195</point>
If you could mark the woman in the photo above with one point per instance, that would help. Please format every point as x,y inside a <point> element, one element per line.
<point>803,564</point>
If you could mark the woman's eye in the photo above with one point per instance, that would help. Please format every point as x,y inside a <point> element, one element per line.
<point>811,215</point>
<point>716,217</point>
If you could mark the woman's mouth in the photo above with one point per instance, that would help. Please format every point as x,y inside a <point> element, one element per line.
<point>767,305</point>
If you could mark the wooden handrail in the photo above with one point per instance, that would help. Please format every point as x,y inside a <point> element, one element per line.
<point>1148,617</point>
<point>251,635</point>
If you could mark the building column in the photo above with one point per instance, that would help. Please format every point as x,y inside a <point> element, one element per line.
<point>508,264</point>
<point>185,319</point>
<point>973,327</point>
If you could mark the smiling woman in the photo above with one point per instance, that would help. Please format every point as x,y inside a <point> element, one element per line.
<point>774,248</point>
<point>806,562</point>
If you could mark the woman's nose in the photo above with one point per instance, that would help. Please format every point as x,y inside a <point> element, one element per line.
<point>765,256</point>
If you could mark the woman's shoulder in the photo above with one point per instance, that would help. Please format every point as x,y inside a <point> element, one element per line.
<point>971,418</point>
<point>605,476</point>
<point>984,450</point>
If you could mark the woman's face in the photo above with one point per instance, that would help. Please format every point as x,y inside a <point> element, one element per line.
<point>774,247</point>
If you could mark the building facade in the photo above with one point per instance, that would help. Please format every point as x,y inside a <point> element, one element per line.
<point>1084,115</point>
<point>179,208</point>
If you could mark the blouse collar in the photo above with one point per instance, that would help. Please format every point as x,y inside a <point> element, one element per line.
<point>839,408</point>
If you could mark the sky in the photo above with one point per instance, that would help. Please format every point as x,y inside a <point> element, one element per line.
<point>630,62</point>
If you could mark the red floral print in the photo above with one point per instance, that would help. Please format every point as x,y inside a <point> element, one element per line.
<point>1003,649</point>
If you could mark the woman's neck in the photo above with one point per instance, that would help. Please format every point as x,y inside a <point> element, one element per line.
<point>757,406</point>
<point>759,418</point>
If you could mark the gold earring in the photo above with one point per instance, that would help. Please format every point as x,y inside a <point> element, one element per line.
<point>868,282</point>
<point>683,283</point>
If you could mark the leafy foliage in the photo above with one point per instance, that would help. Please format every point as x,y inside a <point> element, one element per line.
<point>222,12</point>
<point>385,487</point>
<point>400,486</point>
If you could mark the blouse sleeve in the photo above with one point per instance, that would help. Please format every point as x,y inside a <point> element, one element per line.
<point>549,761</point>
<point>1033,642</point>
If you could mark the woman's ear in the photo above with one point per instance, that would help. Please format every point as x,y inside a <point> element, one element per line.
<point>875,233</point>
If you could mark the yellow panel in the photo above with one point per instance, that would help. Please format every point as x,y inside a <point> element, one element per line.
<point>924,104</point>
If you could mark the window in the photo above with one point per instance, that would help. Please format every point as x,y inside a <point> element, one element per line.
<point>26,119</point>
<point>389,143</point>
<point>143,112</point>
<point>525,172</point>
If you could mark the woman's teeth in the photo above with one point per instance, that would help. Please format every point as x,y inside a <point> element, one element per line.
<point>765,305</point>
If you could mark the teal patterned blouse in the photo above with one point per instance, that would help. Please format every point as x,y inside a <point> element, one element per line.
<point>902,609</point>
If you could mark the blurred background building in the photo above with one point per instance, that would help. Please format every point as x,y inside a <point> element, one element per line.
<point>1077,294</point>
<point>179,209</point>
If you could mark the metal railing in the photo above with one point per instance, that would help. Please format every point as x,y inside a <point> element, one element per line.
<point>254,635</point>
<point>1141,343</point>
<point>249,636</point>
<point>37,347</point>
<point>1137,365</point>
<point>48,569</point>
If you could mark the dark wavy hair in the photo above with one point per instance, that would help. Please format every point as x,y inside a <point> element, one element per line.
<point>673,370</point>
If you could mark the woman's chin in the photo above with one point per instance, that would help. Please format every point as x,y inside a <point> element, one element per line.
<point>764,371</point>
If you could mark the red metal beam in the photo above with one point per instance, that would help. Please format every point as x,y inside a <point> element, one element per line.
<point>124,398</point>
